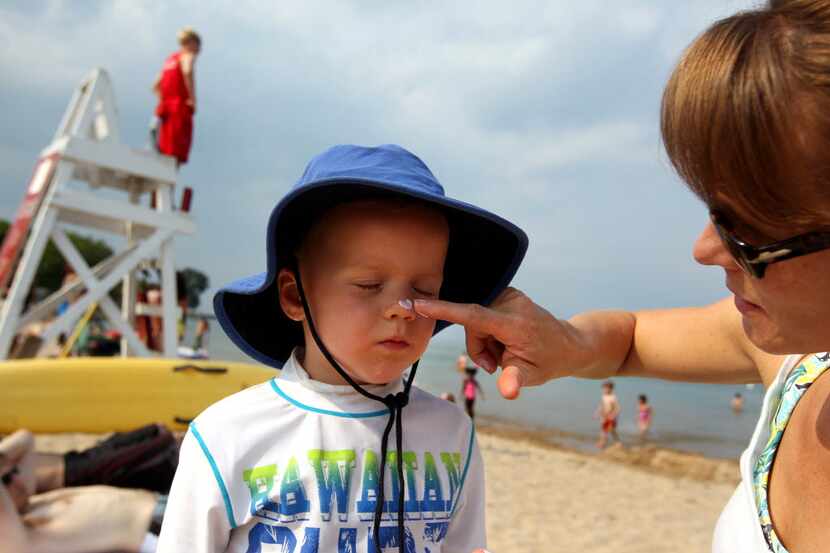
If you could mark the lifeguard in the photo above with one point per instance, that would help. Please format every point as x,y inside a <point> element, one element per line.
<point>176,91</point>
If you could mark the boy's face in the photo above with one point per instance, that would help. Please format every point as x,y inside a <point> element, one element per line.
<point>356,265</point>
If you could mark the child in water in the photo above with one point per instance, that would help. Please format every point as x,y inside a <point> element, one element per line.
<point>644,414</point>
<point>470,389</point>
<point>607,412</point>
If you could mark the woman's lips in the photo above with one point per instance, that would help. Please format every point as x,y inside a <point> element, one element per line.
<point>746,307</point>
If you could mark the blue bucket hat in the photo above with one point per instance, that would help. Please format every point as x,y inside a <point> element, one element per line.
<point>484,252</point>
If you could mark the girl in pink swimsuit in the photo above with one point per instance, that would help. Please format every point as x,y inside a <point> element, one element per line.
<point>644,413</point>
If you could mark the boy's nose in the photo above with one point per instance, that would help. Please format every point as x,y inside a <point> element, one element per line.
<point>400,309</point>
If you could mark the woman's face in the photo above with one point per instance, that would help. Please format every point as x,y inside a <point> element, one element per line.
<point>787,311</point>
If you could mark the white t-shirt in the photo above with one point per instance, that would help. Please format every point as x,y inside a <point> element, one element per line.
<point>291,465</point>
<point>739,527</point>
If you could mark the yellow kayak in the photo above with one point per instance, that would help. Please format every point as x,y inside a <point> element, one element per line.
<point>106,394</point>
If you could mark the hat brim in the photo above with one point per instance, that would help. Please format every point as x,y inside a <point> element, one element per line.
<point>484,253</point>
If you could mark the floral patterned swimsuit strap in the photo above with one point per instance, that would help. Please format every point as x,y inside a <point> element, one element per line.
<point>797,382</point>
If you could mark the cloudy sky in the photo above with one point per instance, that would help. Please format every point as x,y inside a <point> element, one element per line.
<point>544,112</point>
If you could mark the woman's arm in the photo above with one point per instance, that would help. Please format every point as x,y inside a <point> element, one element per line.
<point>698,344</point>
<point>704,344</point>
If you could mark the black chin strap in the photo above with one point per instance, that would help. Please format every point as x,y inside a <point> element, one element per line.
<point>394,402</point>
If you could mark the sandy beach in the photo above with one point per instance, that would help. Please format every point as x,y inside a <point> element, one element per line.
<point>543,497</point>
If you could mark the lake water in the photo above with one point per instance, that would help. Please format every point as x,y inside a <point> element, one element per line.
<point>688,417</point>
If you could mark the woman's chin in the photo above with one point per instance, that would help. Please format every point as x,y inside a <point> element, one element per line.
<point>767,338</point>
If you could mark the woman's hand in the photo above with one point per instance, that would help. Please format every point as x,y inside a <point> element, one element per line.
<point>693,344</point>
<point>529,343</point>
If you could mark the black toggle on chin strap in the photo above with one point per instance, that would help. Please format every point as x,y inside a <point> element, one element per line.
<point>394,402</point>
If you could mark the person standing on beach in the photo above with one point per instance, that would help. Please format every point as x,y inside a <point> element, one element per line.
<point>737,403</point>
<point>607,412</point>
<point>470,389</point>
<point>175,87</point>
<point>745,124</point>
<point>644,414</point>
<point>200,337</point>
<point>461,363</point>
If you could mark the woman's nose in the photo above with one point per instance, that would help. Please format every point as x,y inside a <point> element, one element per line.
<point>709,249</point>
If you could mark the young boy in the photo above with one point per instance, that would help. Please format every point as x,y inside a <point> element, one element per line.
<point>607,412</point>
<point>304,462</point>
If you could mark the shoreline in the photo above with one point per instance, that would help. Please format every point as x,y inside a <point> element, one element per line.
<point>648,457</point>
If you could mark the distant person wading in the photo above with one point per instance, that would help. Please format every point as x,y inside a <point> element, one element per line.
<point>176,90</point>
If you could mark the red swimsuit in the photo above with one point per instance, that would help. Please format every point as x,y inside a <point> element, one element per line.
<point>176,115</point>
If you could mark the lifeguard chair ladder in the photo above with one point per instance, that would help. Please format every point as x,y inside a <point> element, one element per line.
<point>87,149</point>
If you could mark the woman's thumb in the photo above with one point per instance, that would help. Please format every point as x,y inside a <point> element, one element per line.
<point>511,380</point>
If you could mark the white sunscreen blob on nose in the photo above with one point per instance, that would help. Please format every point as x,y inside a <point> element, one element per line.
<point>406,304</point>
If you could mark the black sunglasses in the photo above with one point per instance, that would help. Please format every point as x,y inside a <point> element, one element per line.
<point>754,259</point>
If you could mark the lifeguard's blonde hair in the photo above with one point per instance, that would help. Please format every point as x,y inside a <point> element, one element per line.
<point>188,34</point>
<point>746,113</point>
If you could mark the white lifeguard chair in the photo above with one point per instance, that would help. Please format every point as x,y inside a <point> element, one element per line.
<point>87,149</point>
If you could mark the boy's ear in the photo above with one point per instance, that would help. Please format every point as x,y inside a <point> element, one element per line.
<point>289,295</point>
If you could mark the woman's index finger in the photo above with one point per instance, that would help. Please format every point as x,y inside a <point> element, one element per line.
<point>472,317</point>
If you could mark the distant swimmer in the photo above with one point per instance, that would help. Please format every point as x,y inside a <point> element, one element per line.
<point>461,363</point>
<point>470,389</point>
<point>176,91</point>
<point>607,412</point>
<point>737,403</point>
<point>644,416</point>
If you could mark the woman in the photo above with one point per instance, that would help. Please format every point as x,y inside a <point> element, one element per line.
<point>746,123</point>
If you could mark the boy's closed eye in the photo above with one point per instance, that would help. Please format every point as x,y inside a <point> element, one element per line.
<point>371,286</point>
<point>378,286</point>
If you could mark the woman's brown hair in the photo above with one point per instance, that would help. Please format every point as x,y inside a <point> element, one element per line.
<point>746,113</point>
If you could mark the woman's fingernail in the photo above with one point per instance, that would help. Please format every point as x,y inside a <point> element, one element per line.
<point>406,304</point>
